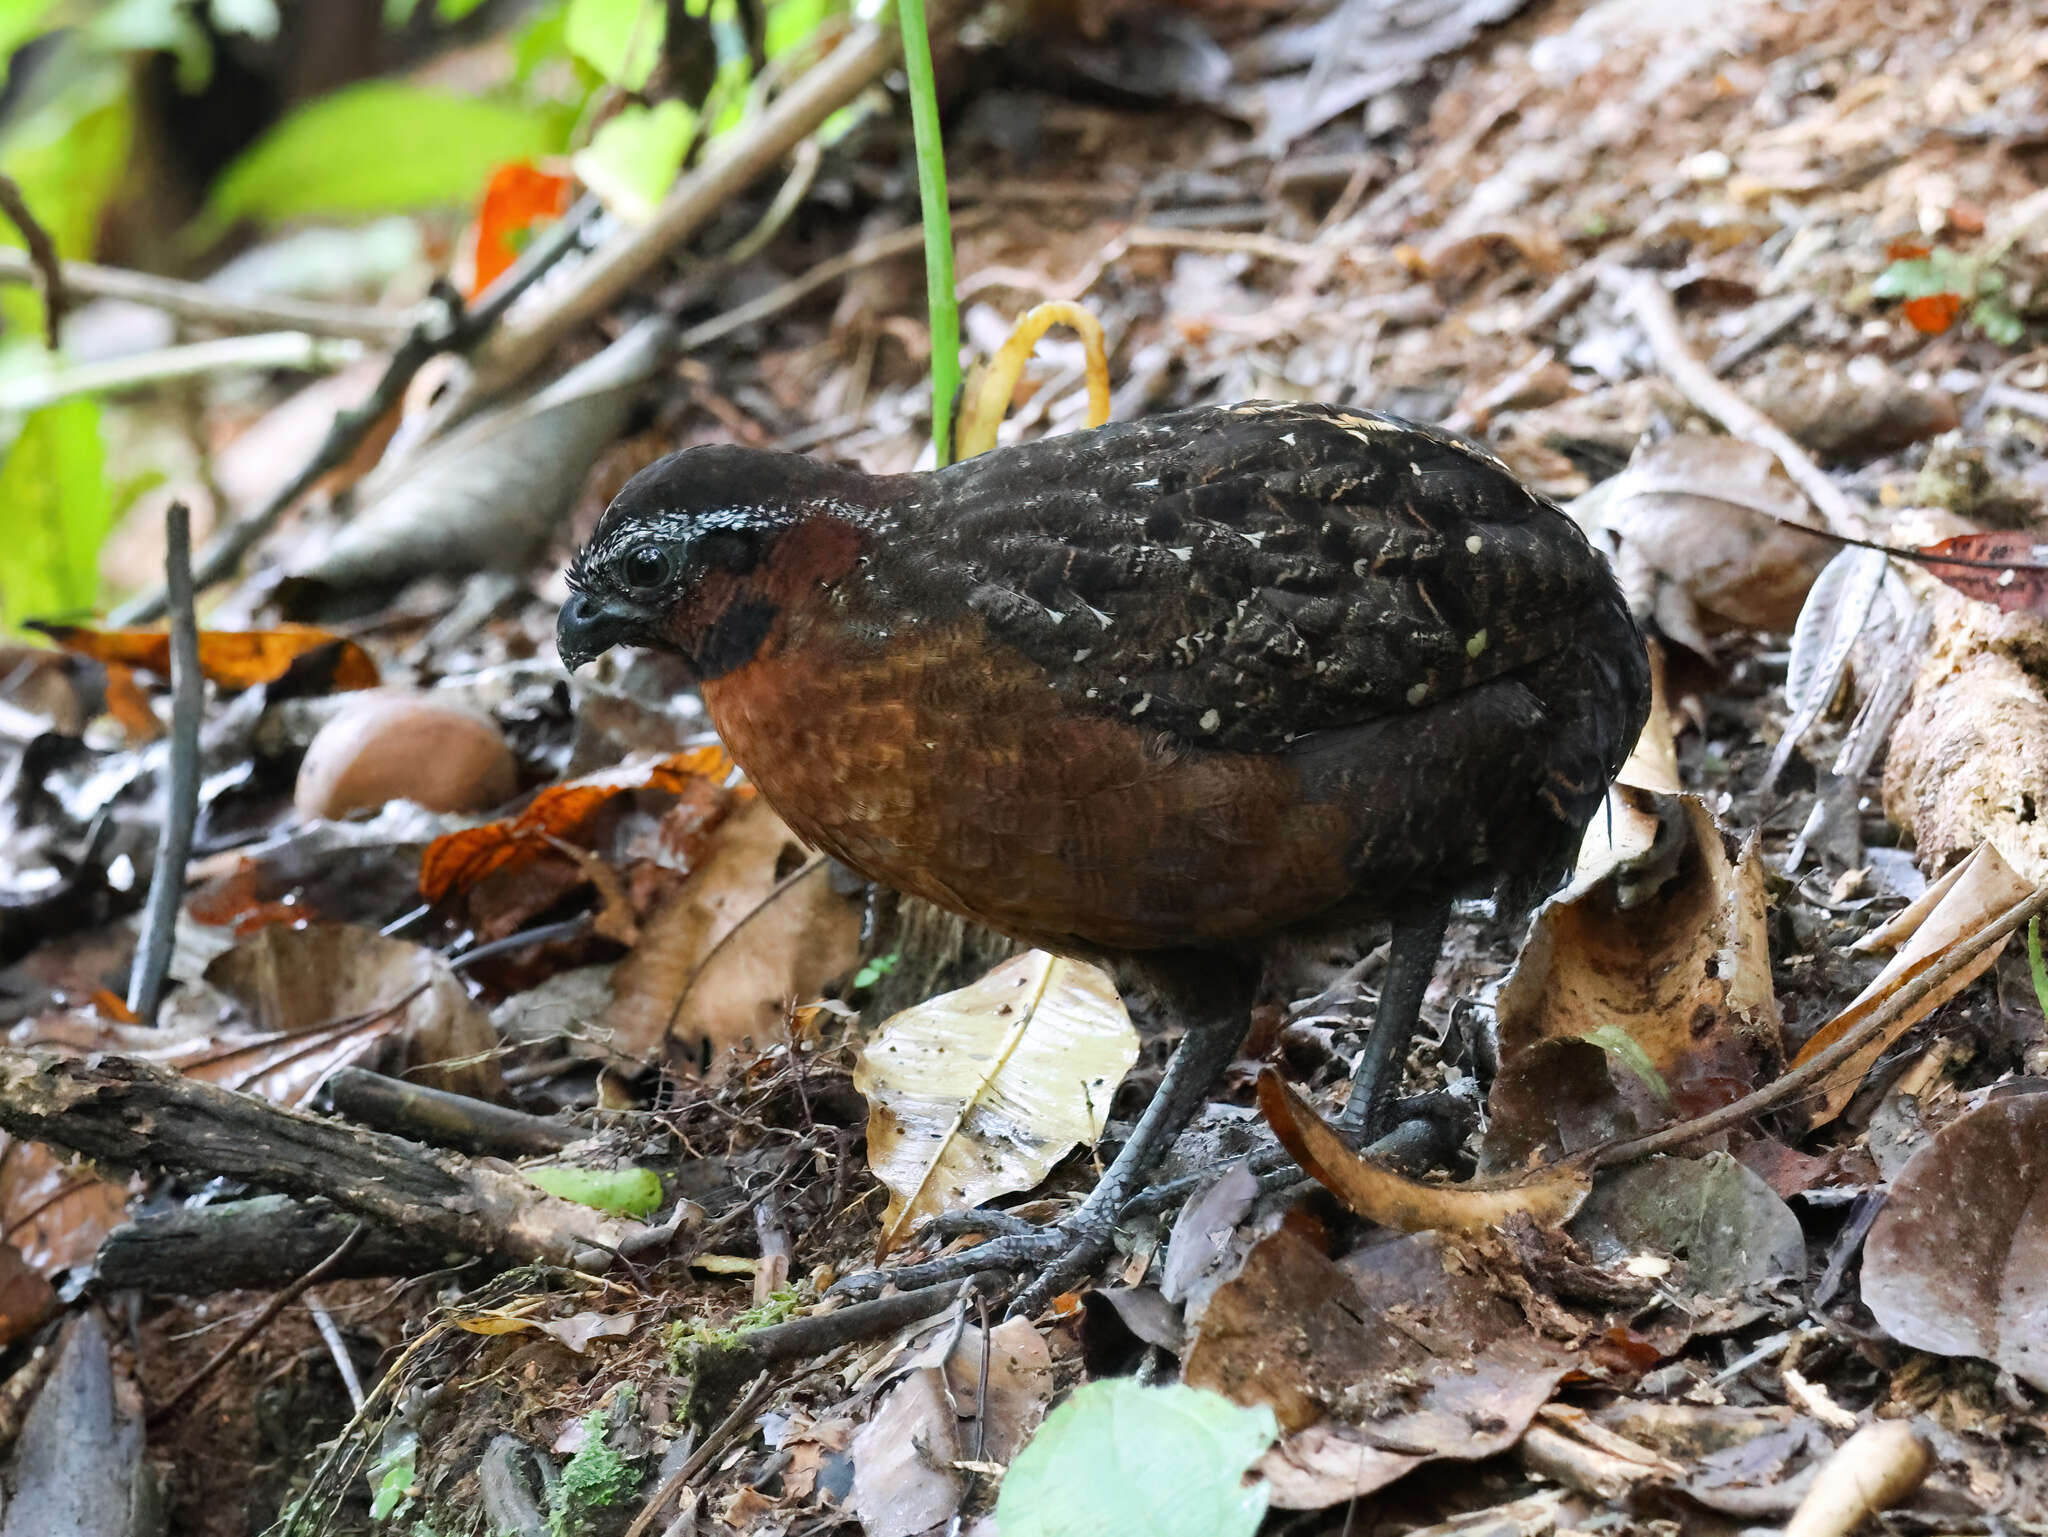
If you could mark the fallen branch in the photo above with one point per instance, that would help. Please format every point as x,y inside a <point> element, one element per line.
<point>422,1114</point>
<point>735,163</point>
<point>207,306</point>
<point>251,1245</point>
<point>125,1112</point>
<point>181,790</point>
<point>1643,294</point>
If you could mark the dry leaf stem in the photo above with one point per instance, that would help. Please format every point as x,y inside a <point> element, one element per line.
<point>41,259</point>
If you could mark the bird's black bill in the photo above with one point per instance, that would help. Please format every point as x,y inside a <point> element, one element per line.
<point>587,628</point>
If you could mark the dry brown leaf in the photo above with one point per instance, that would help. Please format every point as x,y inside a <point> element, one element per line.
<point>980,1092</point>
<point>1983,887</point>
<point>326,995</point>
<point>563,813</point>
<point>1676,992</point>
<point>55,1212</point>
<point>1702,546</point>
<point>1955,1261</point>
<point>229,658</point>
<point>754,930</point>
<point>1396,1356</point>
<point>1395,1201</point>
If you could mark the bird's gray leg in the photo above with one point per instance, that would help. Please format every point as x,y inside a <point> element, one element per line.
<point>1077,1241</point>
<point>1417,946</point>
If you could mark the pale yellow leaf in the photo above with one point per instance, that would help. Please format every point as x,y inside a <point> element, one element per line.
<point>979,1092</point>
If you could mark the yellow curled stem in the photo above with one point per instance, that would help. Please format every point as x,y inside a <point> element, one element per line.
<point>989,400</point>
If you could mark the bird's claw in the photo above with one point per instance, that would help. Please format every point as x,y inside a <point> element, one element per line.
<point>1055,1256</point>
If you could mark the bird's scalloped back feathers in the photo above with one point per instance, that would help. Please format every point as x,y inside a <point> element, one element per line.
<point>1240,577</point>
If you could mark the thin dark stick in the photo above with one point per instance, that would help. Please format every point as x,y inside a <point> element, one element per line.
<point>277,1304</point>
<point>981,1387</point>
<point>174,838</point>
<point>444,326</point>
<point>42,251</point>
<point>710,1447</point>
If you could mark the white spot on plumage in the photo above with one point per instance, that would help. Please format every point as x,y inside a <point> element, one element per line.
<point>1476,645</point>
<point>1474,543</point>
<point>1211,720</point>
<point>1418,693</point>
<point>1144,703</point>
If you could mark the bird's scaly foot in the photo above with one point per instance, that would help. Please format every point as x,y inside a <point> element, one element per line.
<point>1052,1257</point>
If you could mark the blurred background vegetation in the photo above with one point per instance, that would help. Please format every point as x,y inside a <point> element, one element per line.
<point>338,148</point>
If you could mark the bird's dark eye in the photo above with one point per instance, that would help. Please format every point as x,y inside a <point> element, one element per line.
<point>645,568</point>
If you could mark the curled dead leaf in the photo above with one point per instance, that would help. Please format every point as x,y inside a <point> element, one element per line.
<point>1980,890</point>
<point>1393,1200</point>
<point>229,658</point>
<point>1674,991</point>
<point>562,813</point>
<point>980,1092</point>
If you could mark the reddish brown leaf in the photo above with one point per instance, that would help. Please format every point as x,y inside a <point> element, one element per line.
<point>2020,587</point>
<point>1933,313</point>
<point>231,658</point>
<point>557,815</point>
<point>519,196</point>
<point>1906,251</point>
<point>129,706</point>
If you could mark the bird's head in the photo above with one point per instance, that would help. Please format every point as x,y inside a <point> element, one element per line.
<point>704,551</point>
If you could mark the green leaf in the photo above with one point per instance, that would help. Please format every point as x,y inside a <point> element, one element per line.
<point>1998,320</point>
<point>1628,1051</point>
<point>792,23</point>
<point>57,508</point>
<point>379,147</point>
<point>620,39</point>
<point>633,159</point>
<point>1120,1460</point>
<point>626,1192</point>
<point>21,20</point>
<point>2036,963</point>
<point>452,11</point>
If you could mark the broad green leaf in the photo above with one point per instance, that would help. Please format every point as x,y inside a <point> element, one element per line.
<point>1120,1460</point>
<point>627,1192</point>
<point>620,39</point>
<point>67,154</point>
<point>633,159</point>
<point>56,507</point>
<point>792,23</point>
<point>379,147</point>
<point>452,11</point>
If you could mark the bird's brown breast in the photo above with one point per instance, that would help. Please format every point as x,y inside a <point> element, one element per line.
<point>951,770</point>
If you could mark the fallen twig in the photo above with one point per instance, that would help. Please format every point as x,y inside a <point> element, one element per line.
<point>181,792</point>
<point>295,350</point>
<point>414,1111</point>
<point>1644,295</point>
<point>698,1460</point>
<point>41,259</point>
<point>207,306</point>
<point>443,325</point>
<point>1915,984</point>
<point>279,1301</point>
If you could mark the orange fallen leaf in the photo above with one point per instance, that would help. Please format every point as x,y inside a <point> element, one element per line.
<point>230,658</point>
<point>519,196</point>
<point>1932,314</point>
<point>1393,1200</point>
<point>129,706</point>
<point>2014,579</point>
<point>558,815</point>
